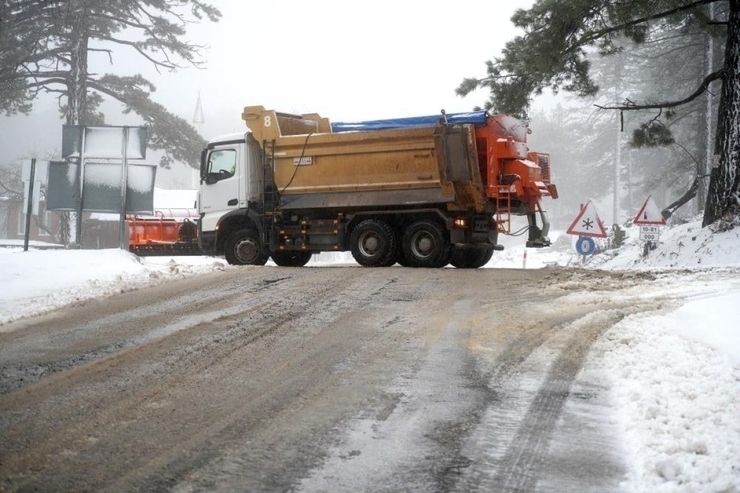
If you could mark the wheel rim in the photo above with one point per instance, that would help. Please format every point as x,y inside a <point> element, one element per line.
<point>422,245</point>
<point>247,250</point>
<point>369,244</point>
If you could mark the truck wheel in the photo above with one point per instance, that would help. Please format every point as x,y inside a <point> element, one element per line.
<point>291,259</point>
<point>243,248</point>
<point>470,258</point>
<point>373,243</point>
<point>425,245</point>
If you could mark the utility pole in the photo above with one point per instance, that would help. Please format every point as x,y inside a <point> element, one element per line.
<point>617,169</point>
<point>618,150</point>
<point>704,166</point>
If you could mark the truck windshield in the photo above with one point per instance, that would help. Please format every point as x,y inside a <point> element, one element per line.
<point>222,163</point>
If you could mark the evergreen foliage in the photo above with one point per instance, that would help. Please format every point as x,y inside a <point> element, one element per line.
<point>562,37</point>
<point>44,48</point>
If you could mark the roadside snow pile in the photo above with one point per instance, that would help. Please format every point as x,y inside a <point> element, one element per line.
<point>78,275</point>
<point>682,246</point>
<point>675,376</point>
<point>679,403</point>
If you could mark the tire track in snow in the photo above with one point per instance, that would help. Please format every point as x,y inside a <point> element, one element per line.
<point>517,471</point>
<point>529,388</point>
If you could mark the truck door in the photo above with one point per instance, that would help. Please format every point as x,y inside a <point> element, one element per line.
<point>219,191</point>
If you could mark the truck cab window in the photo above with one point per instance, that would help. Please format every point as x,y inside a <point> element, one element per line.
<point>222,164</point>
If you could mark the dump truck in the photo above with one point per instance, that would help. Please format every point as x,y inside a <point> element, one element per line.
<point>426,191</point>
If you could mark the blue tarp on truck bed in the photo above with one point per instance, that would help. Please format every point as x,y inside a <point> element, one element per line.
<point>474,118</point>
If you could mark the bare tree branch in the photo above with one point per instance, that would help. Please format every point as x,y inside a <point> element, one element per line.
<point>630,105</point>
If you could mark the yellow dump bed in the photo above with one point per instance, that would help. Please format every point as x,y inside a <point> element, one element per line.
<point>314,167</point>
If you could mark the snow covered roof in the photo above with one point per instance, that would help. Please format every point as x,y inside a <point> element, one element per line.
<point>228,138</point>
<point>174,199</point>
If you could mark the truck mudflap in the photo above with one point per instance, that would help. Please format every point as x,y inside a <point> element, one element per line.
<point>207,242</point>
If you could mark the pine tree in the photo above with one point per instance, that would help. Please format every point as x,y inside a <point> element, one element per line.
<point>44,48</point>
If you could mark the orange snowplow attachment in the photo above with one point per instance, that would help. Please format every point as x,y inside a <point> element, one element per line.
<point>167,232</point>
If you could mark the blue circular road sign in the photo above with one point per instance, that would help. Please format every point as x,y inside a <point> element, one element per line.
<point>585,245</point>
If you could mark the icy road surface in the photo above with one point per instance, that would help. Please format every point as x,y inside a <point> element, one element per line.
<point>320,379</point>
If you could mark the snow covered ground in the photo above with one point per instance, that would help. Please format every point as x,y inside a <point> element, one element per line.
<point>675,375</point>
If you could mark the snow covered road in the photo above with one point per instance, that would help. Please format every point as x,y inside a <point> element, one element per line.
<point>341,379</point>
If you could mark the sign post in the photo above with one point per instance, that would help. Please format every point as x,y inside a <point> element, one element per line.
<point>33,176</point>
<point>123,231</point>
<point>29,207</point>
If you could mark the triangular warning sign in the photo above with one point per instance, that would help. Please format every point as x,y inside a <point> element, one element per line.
<point>649,214</point>
<point>587,223</point>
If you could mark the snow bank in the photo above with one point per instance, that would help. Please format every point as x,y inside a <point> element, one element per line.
<point>36,282</point>
<point>679,403</point>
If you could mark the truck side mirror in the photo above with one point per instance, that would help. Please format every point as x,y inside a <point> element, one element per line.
<point>203,163</point>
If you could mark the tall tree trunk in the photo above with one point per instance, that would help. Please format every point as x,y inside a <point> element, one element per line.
<point>705,128</point>
<point>77,78</point>
<point>76,92</point>
<point>723,198</point>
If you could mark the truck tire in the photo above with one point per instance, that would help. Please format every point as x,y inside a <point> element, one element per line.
<point>243,247</point>
<point>470,258</point>
<point>425,245</point>
<point>373,243</point>
<point>397,256</point>
<point>291,259</point>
